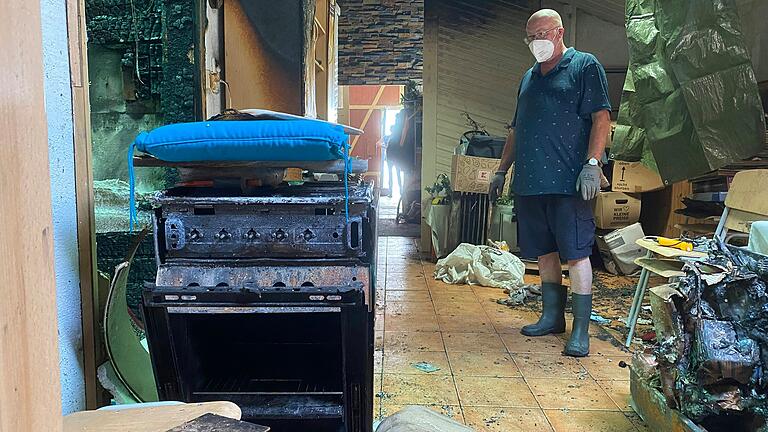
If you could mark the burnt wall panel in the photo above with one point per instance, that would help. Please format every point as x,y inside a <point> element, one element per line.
<point>380,41</point>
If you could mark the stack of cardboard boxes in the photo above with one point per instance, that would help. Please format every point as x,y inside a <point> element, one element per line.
<point>617,213</point>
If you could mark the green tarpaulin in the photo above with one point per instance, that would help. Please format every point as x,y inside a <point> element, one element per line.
<point>690,102</point>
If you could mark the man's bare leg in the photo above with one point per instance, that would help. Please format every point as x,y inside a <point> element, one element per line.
<point>553,297</point>
<point>580,272</point>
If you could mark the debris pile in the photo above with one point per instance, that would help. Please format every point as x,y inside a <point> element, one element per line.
<point>712,333</point>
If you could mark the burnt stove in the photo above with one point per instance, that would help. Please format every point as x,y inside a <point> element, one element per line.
<point>265,297</point>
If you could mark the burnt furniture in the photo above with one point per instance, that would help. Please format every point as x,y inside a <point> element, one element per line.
<point>266,298</point>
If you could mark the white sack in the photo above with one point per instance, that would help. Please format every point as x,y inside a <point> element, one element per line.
<point>481,265</point>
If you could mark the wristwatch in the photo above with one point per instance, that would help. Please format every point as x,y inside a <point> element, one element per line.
<point>593,162</point>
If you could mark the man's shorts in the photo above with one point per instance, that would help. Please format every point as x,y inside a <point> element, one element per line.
<point>555,223</point>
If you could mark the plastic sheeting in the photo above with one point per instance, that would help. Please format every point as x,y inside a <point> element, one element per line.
<point>691,93</point>
<point>481,265</point>
<point>420,419</point>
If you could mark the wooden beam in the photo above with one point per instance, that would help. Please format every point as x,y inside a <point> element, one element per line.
<point>367,117</point>
<point>86,225</point>
<point>429,128</point>
<point>30,389</point>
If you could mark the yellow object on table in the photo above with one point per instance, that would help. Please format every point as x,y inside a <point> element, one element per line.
<point>673,243</point>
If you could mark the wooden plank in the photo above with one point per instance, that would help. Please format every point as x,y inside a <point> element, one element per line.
<point>429,129</point>
<point>749,192</point>
<point>153,419</point>
<point>663,267</point>
<point>30,389</point>
<point>93,353</point>
<point>367,117</point>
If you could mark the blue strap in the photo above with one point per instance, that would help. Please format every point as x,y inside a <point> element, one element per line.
<point>347,171</point>
<point>133,214</point>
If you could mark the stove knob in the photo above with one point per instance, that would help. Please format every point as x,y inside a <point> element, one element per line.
<point>195,235</point>
<point>308,235</point>
<point>279,235</point>
<point>252,235</point>
<point>223,235</point>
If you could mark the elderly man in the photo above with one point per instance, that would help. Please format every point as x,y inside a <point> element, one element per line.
<point>560,131</point>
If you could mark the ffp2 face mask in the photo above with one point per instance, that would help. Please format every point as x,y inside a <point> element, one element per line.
<point>542,49</point>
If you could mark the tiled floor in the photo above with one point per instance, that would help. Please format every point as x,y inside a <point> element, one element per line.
<point>490,376</point>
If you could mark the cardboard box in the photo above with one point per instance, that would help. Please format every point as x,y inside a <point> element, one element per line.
<point>634,177</point>
<point>615,210</point>
<point>619,250</point>
<point>473,174</point>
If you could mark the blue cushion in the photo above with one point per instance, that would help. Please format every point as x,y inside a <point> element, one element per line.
<point>249,140</point>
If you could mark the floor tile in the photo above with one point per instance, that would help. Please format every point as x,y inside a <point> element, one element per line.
<point>606,346</point>
<point>413,341</point>
<point>489,294</point>
<point>409,276</point>
<point>403,362</point>
<point>377,396</point>
<point>640,425</point>
<point>419,389</point>
<point>476,342</point>
<point>400,267</point>
<point>416,322</point>
<point>589,421</point>
<point>440,295</point>
<point>407,285</point>
<point>459,308</point>
<point>606,368</point>
<point>378,341</point>
<point>519,343</point>
<point>571,394</point>
<point>408,296</point>
<point>400,308</point>
<point>483,364</point>
<point>619,392</point>
<point>452,411</point>
<point>496,419</point>
<point>549,366</point>
<point>510,322</point>
<point>487,391</point>
<point>465,324</point>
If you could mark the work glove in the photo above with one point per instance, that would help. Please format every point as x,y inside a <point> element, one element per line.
<point>588,182</point>
<point>497,186</point>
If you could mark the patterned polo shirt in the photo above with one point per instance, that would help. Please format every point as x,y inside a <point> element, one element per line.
<point>553,123</point>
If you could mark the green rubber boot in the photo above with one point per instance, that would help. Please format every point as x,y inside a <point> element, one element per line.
<point>553,298</point>
<point>578,344</point>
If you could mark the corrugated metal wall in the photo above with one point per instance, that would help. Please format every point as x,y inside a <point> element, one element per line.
<point>480,61</point>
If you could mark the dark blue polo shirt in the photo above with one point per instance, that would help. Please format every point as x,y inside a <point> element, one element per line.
<point>553,122</point>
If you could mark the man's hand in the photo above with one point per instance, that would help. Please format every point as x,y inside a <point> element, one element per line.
<point>588,182</point>
<point>497,186</point>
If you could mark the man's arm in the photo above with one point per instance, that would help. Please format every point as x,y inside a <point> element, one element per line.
<point>496,188</point>
<point>508,154</point>
<point>598,136</point>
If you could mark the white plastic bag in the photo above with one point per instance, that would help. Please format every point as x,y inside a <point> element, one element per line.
<point>481,265</point>
<point>420,419</point>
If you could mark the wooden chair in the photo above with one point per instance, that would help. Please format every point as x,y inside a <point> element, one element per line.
<point>747,202</point>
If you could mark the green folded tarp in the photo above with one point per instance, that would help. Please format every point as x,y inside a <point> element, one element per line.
<point>690,102</point>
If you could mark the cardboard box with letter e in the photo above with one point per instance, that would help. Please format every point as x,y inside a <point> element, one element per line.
<point>473,174</point>
<point>616,210</point>
<point>634,177</point>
